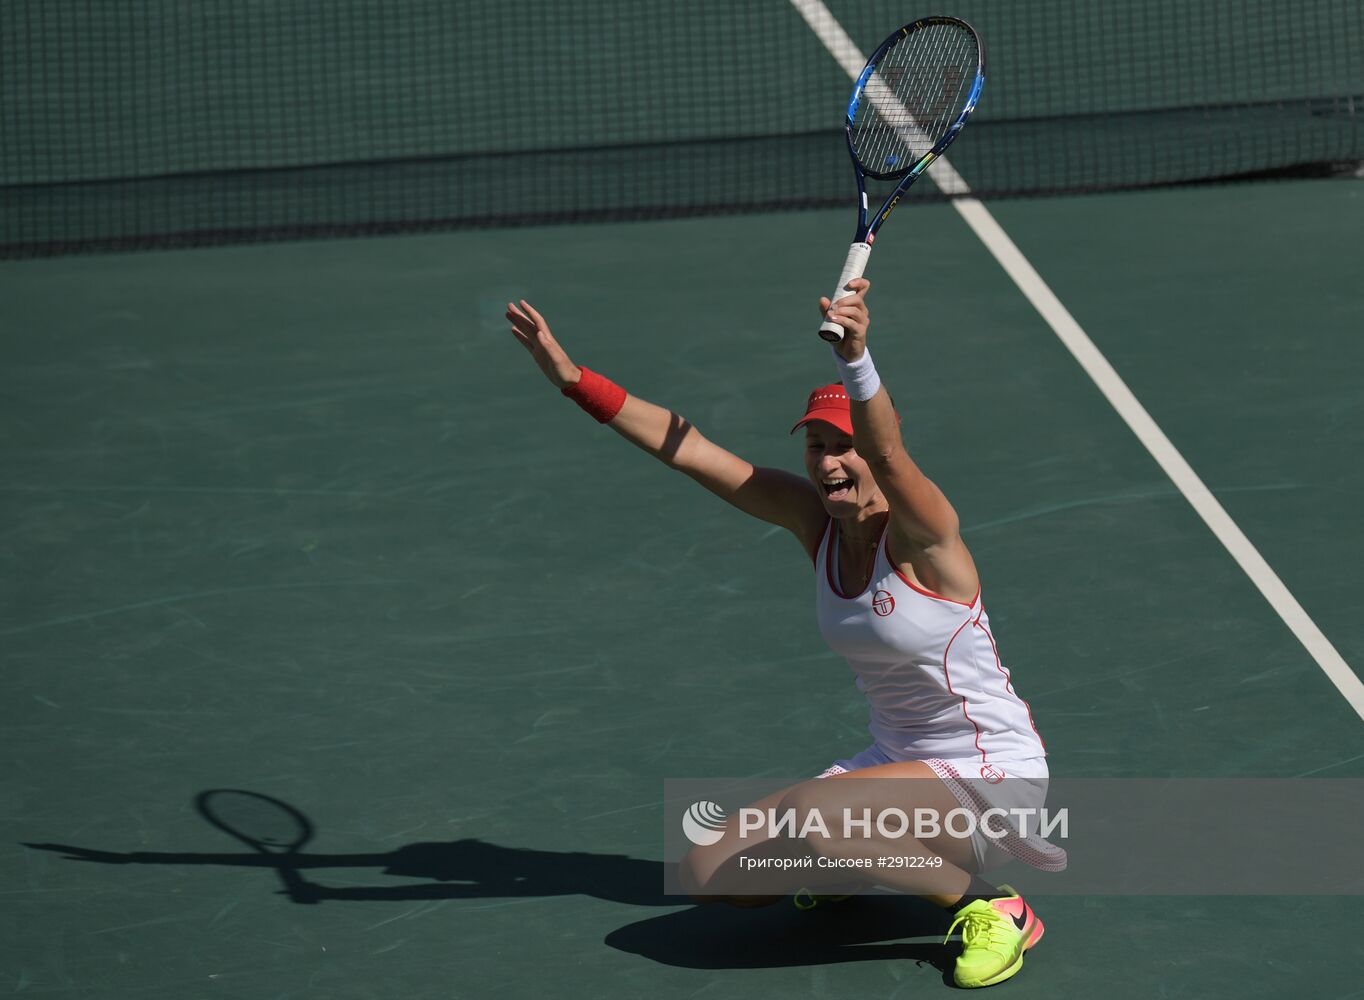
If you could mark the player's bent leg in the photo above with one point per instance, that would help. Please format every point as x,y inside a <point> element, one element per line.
<point>703,864</point>
<point>853,802</point>
<point>712,873</point>
<point>756,875</point>
<point>998,926</point>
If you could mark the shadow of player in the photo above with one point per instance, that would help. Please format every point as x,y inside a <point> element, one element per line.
<point>866,928</point>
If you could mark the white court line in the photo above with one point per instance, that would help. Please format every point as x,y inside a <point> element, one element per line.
<point>1115,390</point>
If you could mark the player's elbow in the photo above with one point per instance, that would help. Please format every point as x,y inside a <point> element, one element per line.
<point>884,456</point>
<point>948,528</point>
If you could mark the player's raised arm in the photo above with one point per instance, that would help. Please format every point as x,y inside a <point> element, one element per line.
<point>772,495</point>
<point>920,515</point>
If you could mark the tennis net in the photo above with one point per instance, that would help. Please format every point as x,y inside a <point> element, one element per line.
<point>153,123</point>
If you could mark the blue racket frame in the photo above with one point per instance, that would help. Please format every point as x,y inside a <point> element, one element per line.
<point>866,231</point>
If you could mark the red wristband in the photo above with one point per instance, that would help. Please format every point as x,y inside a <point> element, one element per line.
<point>596,394</point>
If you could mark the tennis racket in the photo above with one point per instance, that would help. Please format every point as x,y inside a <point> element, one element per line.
<point>907,106</point>
<point>272,828</point>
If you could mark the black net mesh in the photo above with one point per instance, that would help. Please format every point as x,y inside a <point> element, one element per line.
<point>150,123</point>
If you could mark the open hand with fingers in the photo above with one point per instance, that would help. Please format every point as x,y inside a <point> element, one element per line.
<point>849,312</point>
<point>530,328</point>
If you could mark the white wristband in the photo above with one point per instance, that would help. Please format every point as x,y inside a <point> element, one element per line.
<point>859,377</point>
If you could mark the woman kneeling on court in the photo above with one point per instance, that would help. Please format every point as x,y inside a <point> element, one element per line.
<point>899,597</point>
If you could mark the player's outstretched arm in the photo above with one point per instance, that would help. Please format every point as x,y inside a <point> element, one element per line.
<point>920,515</point>
<point>772,495</point>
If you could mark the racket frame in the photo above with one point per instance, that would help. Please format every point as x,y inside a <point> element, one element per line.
<point>867,225</point>
<point>282,857</point>
<point>866,230</point>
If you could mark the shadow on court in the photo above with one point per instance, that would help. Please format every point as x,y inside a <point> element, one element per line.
<point>697,937</point>
<point>862,929</point>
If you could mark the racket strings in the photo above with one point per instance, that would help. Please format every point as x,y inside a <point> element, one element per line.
<point>257,819</point>
<point>916,92</point>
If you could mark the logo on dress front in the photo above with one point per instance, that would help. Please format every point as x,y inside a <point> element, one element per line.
<point>882,603</point>
<point>991,774</point>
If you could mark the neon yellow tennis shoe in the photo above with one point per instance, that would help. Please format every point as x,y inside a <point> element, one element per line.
<point>995,934</point>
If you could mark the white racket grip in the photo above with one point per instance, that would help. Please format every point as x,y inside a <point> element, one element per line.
<point>852,268</point>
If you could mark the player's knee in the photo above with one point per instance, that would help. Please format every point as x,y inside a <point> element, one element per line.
<point>801,801</point>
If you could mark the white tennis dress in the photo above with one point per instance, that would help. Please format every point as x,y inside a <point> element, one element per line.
<point>937,691</point>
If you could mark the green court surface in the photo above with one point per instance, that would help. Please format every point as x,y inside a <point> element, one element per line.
<point>304,520</point>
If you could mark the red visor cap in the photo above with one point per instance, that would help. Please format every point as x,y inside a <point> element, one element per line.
<point>829,403</point>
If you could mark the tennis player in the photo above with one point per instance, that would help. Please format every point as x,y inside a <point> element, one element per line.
<point>899,597</point>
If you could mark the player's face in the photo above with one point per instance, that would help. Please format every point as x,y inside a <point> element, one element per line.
<point>844,481</point>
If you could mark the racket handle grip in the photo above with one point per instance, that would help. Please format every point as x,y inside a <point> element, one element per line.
<point>852,268</point>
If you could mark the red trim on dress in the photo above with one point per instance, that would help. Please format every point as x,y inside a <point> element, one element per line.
<point>948,677</point>
<point>1008,681</point>
<point>829,566</point>
<point>923,590</point>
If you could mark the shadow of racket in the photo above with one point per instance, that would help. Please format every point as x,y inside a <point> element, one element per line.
<point>268,826</point>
